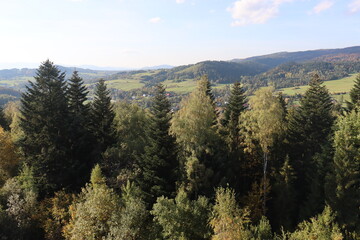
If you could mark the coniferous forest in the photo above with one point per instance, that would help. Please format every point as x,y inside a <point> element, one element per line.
<point>77,168</point>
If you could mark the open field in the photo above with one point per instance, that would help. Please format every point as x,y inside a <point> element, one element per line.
<point>124,84</point>
<point>335,86</point>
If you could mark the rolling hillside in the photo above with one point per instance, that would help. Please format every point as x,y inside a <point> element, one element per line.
<point>284,69</point>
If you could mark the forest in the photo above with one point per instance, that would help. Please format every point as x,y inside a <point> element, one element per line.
<point>257,168</point>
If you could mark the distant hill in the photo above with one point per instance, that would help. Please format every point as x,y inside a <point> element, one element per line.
<point>157,67</point>
<point>9,74</point>
<point>283,69</point>
<point>276,59</point>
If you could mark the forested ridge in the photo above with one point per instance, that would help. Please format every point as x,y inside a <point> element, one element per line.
<point>71,168</point>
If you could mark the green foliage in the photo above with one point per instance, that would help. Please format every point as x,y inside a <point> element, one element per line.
<point>181,218</point>
<point>236,106</point>
<point>9,158</point>
<point>264,125</point>
<point>20,197</point>
<point>119,162</point>
<point>102,117</point>
<point>285,196</point>
<point>346,170</point>
<point>44,122</point>
<point>194,126</point>
<point>309,135</point>
<point>4,123</point>
<point>322,227</point>
<point>158,165</point>
<point>354,95</point>
<point>132,222</point>
<point>228,220</point>
<point>233,110</point>
<point>262,230</point>
<point>80,138</point>
<point>91,214</point>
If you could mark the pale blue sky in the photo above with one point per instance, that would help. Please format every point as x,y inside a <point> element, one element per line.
<point>138,33</point>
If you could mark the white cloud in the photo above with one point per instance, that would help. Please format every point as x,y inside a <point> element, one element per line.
<point>180,1</point>
<point>322,6</point>
<point>246,12</point>
<point>155,20</point>
<point>354,6</point>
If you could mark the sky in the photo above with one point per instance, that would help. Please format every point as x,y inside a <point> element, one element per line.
<point>139,33</point>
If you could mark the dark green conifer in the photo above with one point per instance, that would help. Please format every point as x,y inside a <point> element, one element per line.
<point>159,163</point>
<point>310,129</point>
<point>346,172</point>
<point>80,138</point>
<point>354,95</point>
<point>236,105</point>
<point>45,125</point>
<point>102,117</point>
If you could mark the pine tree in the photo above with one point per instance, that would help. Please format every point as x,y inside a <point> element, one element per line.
<point>354,95</point>
<point>159,162</point>
<point>309,132</point>
<point>284,199</point>
<point>205,85</point>
<point>235,107</point>
<point>102,117</point>
<point>346,170</point>
<point>81,140</point>
<point>45,125</point>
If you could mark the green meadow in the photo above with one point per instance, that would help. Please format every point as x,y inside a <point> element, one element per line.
<point>335,86</point>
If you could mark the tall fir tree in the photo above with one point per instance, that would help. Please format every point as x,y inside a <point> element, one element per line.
<point>159,163</point>
<point>354,95</point>
<point>236,106</point>
<point>205,84</point>
<point>309,132</point>
<point>80,138</point>
<point>347,171</point>
<point>102,118</point>
<point>45,125</point>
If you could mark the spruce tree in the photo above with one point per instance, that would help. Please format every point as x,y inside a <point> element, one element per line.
<point>234,108</point>
<point>102,118</point>
<point>346,171</point>
<point>159,162</point>
<point>45,125</point>
<point>354,95</point>
<point>80,137</point>
<point>309,132</point>
<point>206,86</point>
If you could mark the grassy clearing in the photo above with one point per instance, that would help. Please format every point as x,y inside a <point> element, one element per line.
<point>124,84</point>
<point>187,86</point>
<point>16,83</point>
<point>335,86</point>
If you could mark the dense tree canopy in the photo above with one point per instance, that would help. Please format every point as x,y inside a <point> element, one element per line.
<point>252,171</point>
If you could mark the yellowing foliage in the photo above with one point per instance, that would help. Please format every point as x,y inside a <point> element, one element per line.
<point>8,155</point>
